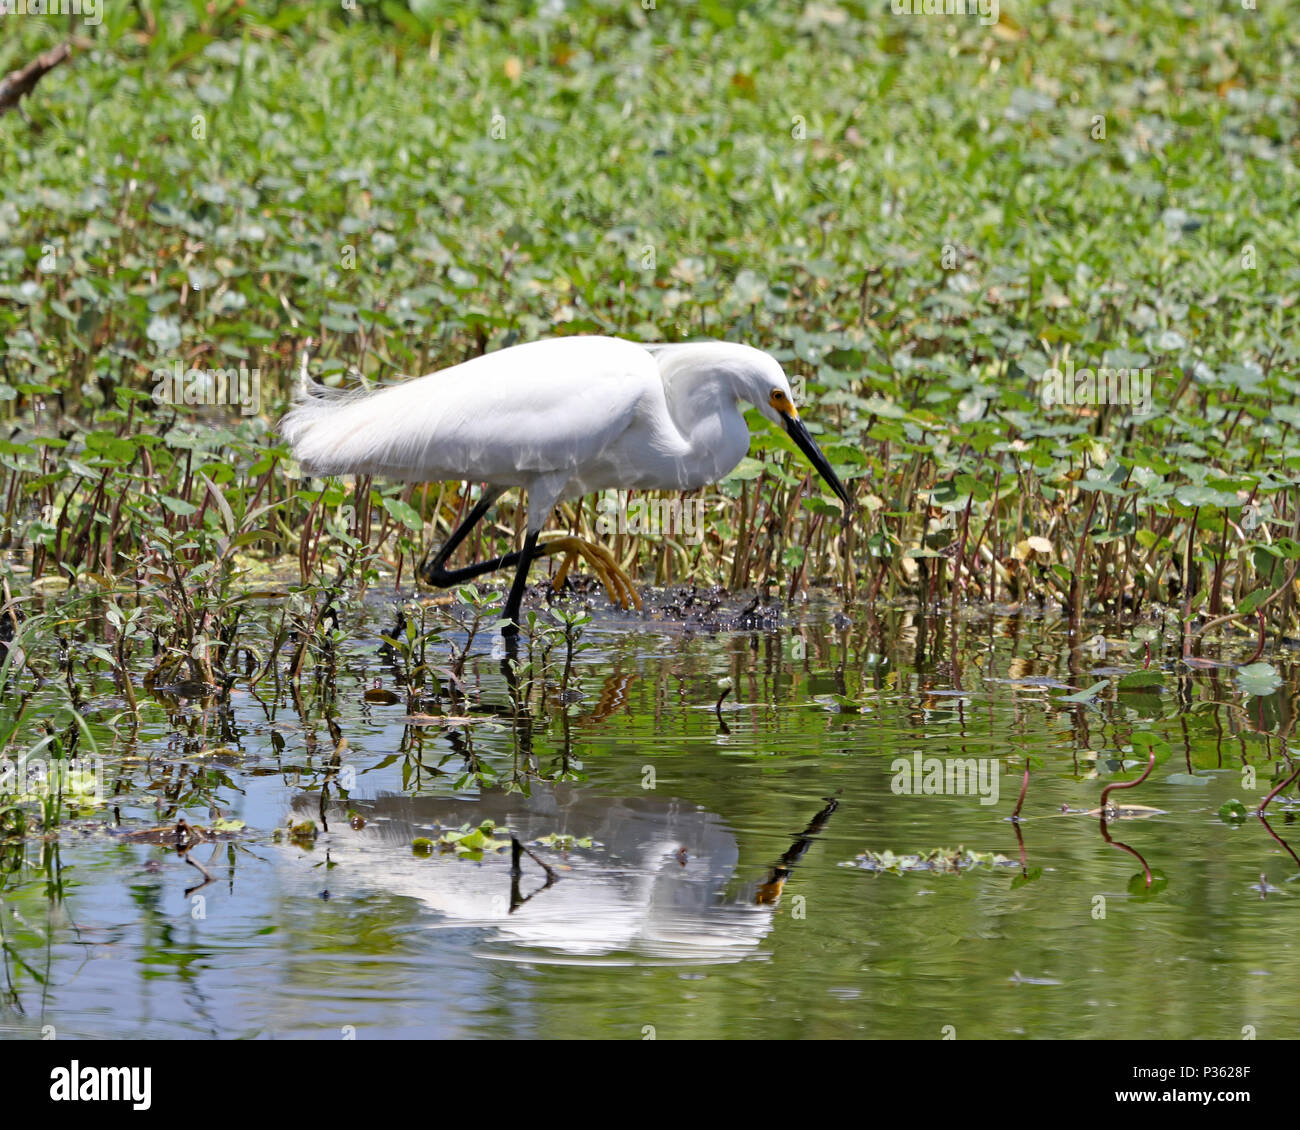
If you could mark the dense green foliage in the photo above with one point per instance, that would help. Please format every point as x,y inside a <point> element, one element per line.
<point>919,215</point>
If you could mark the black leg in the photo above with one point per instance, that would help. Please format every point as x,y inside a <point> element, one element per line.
<point>432,572</point>
<point>516,598</point>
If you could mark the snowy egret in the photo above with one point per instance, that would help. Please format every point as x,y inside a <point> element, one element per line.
<point>663,880</point>
<point>561,418</point>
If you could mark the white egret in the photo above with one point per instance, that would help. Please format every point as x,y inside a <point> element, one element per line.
<point>561,418</point>
<point>663,882</point>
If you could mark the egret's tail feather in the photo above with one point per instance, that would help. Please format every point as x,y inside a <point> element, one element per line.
<point>388,432</point>
<point>529,417</point>
<point>326,429</point>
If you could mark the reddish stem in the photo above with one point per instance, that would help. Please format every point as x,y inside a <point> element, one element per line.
<point>1151,764</point>
<point>1260,810</point>
<point>1024,788</point>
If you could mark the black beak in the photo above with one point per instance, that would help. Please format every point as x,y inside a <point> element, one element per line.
<point>795,429</point>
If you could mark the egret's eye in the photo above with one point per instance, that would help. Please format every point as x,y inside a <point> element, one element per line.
<point>779,399</point>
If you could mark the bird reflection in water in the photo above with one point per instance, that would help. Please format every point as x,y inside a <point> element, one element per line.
<point>659,881</point>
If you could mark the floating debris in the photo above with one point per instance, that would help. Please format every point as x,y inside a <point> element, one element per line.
<point>301,832</point>
<point>1018,978</point>
<point>565,841</point>
<point>948,861</point>
<point>183,834</point>
<point>472,842</point>
<point>441,719</point>
<point>377,694</point>
<point>1265,888</point>
<point>842,704</point>
<point>1117,811</point>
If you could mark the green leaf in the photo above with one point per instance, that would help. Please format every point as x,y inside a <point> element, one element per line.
<point>1234,812</point>
<point>1085,695</point>
<point>1141,680</point>
<point>1258,679</point>
<point>1030,876</point>
<point>1137,885</point>
<point>404,513</point>
<point>1203,496</point>
<point>178,506</point>
<point>1145,743</point>
<point>1187,779</point>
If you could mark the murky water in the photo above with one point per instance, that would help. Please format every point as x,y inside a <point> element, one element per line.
<point>704,879</point>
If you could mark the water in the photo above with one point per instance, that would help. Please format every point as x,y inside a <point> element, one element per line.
<point>716,903</point>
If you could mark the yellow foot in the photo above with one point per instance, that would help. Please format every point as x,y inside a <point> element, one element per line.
<point>616,582</point>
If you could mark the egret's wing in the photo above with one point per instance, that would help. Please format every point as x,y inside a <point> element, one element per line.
<point>506,417</point>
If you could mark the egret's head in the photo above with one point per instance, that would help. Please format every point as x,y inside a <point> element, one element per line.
<point>772,396</point>
<point>763,383</point>
<point>741,372</point>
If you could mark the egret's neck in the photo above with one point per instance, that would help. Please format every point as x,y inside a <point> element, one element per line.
<point>700,401</point>
<point>706,411</point>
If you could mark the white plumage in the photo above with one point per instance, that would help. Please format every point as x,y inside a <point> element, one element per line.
<point>561,418</point>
